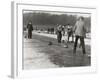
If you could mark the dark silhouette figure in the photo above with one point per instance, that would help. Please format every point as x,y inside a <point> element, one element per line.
<point>59,33</point>
<point>30,29</point>
<point>70,33</point>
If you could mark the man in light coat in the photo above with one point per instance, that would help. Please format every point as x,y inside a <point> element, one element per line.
<point>65,36</point>
<point>80,33</point>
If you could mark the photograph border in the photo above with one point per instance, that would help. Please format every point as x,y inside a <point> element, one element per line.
<point>16,68</point>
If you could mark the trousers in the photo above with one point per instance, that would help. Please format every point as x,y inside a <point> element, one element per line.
<point>29,34</point>
<point>82,44</point>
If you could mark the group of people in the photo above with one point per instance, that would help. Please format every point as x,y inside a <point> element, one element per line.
<point>51,30</point>
<point>66,31</point>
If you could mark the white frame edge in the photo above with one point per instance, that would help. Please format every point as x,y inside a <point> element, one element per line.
<point>14,57</point>
<point>14,38</point>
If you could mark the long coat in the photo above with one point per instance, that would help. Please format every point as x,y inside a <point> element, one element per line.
<point>80,29</point>
<point>30,27</point>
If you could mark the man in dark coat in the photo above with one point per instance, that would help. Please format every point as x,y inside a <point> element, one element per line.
<point>59,33</point>
<point>70,32</point>
<point>30,29</point>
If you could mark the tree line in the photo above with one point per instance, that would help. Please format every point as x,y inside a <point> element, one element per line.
<point>53,19</point>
